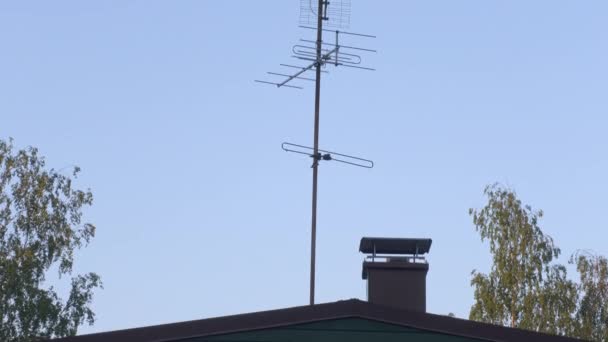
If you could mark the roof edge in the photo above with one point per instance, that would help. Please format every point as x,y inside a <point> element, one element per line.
<point>307,314</point>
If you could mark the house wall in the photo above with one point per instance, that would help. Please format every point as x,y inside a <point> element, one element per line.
<point>338,330</point>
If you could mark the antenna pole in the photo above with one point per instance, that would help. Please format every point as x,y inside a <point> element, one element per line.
<point>317,57</point>
<point>315,165</point>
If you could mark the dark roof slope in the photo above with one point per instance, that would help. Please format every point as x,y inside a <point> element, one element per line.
<point>320,312</point>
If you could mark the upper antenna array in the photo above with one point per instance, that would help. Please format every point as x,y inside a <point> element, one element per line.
<point>337,13</point>
<point>333,51</point>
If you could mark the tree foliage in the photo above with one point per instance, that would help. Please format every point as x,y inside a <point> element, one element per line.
<point>41,227</point>
<point>592,315</point>
<point>525,288</point>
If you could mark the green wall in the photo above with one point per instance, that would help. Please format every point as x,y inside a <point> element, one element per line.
<point>338,330</point>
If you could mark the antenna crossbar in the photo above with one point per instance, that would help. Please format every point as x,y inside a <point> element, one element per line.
<point>300,67</point>
<point>327,155</point>
<point>316,62</point>
<point>356,67</point>
<point>341,32</point>
<point>341,46</point>
<point>309,67</point>
<point>285,75</point>
<point>276,84</point>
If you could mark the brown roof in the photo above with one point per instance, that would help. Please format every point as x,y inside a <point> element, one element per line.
<point>320,312</point>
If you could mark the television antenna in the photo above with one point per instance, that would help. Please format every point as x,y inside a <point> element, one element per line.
<point>319,54</point>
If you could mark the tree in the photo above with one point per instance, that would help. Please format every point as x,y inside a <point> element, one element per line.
<point>592,314</point>
<point>523,289</point>
<point>41,227</point>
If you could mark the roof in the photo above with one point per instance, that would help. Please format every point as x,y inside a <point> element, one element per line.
<point>353,308</point>
<point>372,245</point>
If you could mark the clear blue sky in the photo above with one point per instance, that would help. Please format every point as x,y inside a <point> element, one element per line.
<point>199,211</point>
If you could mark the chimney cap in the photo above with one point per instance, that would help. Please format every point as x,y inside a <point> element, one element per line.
<point>374,245</point>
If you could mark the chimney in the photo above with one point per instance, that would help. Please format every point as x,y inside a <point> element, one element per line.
<point>396,271</point>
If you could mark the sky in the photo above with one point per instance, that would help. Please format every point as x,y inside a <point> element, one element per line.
<point>199,212</point>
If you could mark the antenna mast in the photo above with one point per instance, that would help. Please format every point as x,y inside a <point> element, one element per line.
<point>315,165</point>
<point>335,14</point>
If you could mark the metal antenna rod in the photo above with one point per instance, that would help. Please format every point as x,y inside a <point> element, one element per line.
<point>315,165</point>
<point>333,13</point>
